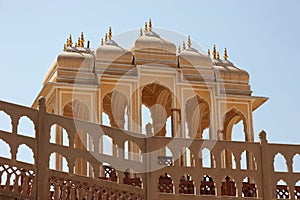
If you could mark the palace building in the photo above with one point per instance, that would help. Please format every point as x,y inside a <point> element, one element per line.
<point>154,121</point>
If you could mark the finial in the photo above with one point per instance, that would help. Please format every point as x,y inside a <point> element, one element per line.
<point>150,25</point>
<point>214,52</point>
<point>102,42</point>
<point>141,32</point>
<point>65,47</point>
<point>70,40</point>
<point>146,27</point>
<point>183,45</point>
<point>208,52</point>
<point>109,33</point>
<point>218,56</point>
<point>78,44</point>
<point>225,54</point>
<point>81,40</point>
<point>106,37</point>
<point>189,43</point>
<point>179,49</point>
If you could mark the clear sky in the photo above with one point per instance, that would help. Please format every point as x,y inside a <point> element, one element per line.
<point>262,37</point>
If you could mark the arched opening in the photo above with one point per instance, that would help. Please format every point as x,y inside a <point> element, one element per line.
<point>207,159</point>
<point>105,119</point>
<point>282,191</point>
<point>279,163</point>
<point>132,179</point>
<point>25,154</point>
<point>107,172</point>
<point>59,134</point>
<point>207,186</point>
<point>83,167</point>
<point>115,107</point>
<point>235,126</point>
<point>228,187</point>
<point>228,159</point>
<point>107,145</point>
<point>26,127</point>
<point>132,151</point>
<point>296,163</point>
<point>158,99</point>
<point>78,110</point>
<point>5,122</point>
<point>197,117</point>
<point>297,190</point>
<point>165,157</point>
<point>247,161</point>
<point>146,120</point>
<point>186,185</point>
<point>187,158</point>
<point>165,184</point>
<point>249,188</point>
<point>4,149</point>
<point>64,162</point>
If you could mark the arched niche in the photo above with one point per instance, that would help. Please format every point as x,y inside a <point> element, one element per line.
<point>197,114</point>
<point>115,106</point>
<point>232,118</point>
<point>158,99</point>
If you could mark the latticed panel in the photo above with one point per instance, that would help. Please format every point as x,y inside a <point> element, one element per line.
<point>249,190</point>
<point>186,185</point>
<point>165,160</point>
<point>136,181</point>
<point>17,180</point>
<point>109,174</point>
<point>297,192</point>
<point>228,187</point>
<point>282,192</point>
<point>207,186</point>
<point>61,188</point>
<point>165,184</point>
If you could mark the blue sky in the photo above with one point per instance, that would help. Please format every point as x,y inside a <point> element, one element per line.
<point>262,37</point>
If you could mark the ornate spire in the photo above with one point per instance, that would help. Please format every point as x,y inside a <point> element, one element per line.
<point>150,25</point>
<point>146,27</point>
<point>102,42</point>
<point>109,33</point>
<point>214,52</point>
<point>65,47</point>
<point>218,56</point>
<point>179,49</point>
<point>189,43</point>
<point>141,32</point>
<point>106,37</point>
<point>208,52</point>
<point>81,40</point>
<point>78,44</point>
<point>183,45</point>
<point>70,41</point>
<point>225,54</point>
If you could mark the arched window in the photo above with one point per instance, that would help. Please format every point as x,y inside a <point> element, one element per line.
<point>207,158</point>
<point>132,151</point>
<point>228,159</point>
<point>26,127</point>
<point>83,167</point>
<point>296,163</point>
<point>228,187</point>
<point>5,122</point>
<point>115,107</point>
<point>53,164</point>
<point>280,163</point>
<point>207,186</point>
<point>4,150</point>
<point>59,135</point>
<point>197,116</point>
<point>235,126</point>
<point>165,184</point>
<point>158,99</point>
<point>186,185</point>
<point>248,161</point>
<point>187,157</point>
<point>249,188</point>
<point>25,154</point>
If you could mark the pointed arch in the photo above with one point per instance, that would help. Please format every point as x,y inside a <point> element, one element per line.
<point>186,184</point>
<point>197,114</point>
<point>279,163</point>
<point>187,157</point>
<point>248,161</point>
<point>77,109</point>
<point>158,99</point>
<point>228,187</point>
<point>114,105</point>
<point>25,154</point>
<point>53,165</point>
<point>132,151</point>
<point>282,190</point>
<point>26,127</point>
<point>249,188</point>
<point>207,158</point>
<point>165,183</point>
<point>207,186</point>
<point>228,159</point>
<point>296,163</point>
<point>230,119</point>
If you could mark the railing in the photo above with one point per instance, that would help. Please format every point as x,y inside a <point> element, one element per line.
<point>181,175</point>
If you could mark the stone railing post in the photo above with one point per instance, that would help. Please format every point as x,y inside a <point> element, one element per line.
<point>265,166</point>
<point>42,173</point>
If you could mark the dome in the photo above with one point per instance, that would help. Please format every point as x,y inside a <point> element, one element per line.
<point>151,41</point>
<point>112,52</point>
<point>76,60</point>
<point>192,58</point>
